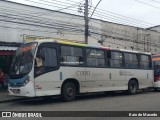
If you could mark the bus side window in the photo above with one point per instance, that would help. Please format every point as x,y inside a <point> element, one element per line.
<point>144,62</point>
<point>71,55</point>
<point>131,60</point>
<point>116,60</point>
<point>62,59</point>
<point>108,58</point>
<point>46,60</point>
<point>38,62</point>
<point>95,58</point>
<point>81,60</point>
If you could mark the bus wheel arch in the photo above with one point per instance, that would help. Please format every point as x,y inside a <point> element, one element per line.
<point>69,89</point>
<point>133,86</point>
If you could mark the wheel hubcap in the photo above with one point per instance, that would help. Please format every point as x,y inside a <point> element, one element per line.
<point>70,91</point>
<point>132,87</point>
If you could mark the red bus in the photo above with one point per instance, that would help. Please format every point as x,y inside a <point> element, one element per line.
<point>156,64</point>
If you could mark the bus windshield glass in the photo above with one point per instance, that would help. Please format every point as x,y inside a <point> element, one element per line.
<point>23,59</point>
<point>156,62</point>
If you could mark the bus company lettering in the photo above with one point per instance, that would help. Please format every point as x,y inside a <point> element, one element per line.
<point>83,73</point>
<point>125,73</point>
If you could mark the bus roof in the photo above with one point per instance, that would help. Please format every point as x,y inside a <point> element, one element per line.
<point>69,42</point>
<point>156,55</point>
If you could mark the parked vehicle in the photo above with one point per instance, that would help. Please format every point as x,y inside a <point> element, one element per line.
<point>50,67</point>
<point>156,64</point>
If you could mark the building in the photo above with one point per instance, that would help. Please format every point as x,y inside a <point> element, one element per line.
<point>7,50</point>
<point>129,37</point>
<point>23,22</point>
<point>155,28</point>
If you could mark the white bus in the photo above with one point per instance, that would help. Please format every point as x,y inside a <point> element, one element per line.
<point>51,67</point>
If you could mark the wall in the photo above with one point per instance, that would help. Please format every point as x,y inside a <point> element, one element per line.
<point>128,37</point>
<point>18,21</point>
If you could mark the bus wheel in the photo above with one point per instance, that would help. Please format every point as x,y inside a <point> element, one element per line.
<point>132,87</point>
<point>68,91</point>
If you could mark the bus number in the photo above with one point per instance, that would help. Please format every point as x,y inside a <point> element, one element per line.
<point>83,73</point>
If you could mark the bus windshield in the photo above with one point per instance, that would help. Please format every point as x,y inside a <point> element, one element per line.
<point>23,60</point>
<point>156,63</point>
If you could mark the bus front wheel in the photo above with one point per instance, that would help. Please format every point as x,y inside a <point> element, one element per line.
<point>68,91</point>
<point>132,87</point>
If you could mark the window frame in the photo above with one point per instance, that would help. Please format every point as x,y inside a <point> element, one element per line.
<point>138,60</point>
<point>72,65</point>
<point>150,62</point>
<point>104,51</point>
<point>48,45</point>
<point>109,62</point>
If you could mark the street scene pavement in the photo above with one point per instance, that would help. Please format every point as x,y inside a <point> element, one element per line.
<point>5,97</point>
<point>143,101</point>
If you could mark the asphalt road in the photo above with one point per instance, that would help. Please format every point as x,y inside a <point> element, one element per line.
<point>144,101</point>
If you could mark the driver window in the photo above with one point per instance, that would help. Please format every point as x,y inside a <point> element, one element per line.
<point>46,60</point>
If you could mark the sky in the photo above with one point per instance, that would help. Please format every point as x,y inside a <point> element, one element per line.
<point>140,13</point>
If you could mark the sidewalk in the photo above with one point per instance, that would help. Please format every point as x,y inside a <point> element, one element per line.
<point>4,97</point>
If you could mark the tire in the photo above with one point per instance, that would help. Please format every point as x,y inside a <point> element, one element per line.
<point>68,91</point>
<point>132,87</point>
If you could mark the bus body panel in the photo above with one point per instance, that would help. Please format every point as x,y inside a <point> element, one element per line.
<point>27,91</point>
<point>50,83</point>
<point>156,84</point>
<point>91,79</point>
<point>156,65</point>
<point>144,77</point>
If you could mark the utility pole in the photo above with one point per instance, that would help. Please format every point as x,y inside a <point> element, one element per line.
<point>86,21</point>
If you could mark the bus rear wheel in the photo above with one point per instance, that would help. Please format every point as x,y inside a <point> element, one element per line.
<point>68,91</point>
<point>132,87</point>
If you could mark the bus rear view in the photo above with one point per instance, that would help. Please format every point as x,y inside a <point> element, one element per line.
<point>156,63</point>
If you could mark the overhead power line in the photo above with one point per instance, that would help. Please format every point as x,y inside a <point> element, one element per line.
<point>65,25</point>
<point>37,30</point>
<point>155,1</point>
<point>147,4</point>
<point>94,9</point>
<point>113,17</point>
<point>100,13</point>
<point>122,16</point>
<point>56,5</point>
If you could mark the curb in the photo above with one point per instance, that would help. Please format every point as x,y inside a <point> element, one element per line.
<point>11,100</point>
<point>19,99</point>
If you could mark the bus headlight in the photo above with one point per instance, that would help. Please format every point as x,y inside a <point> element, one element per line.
<point>26,81</point>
